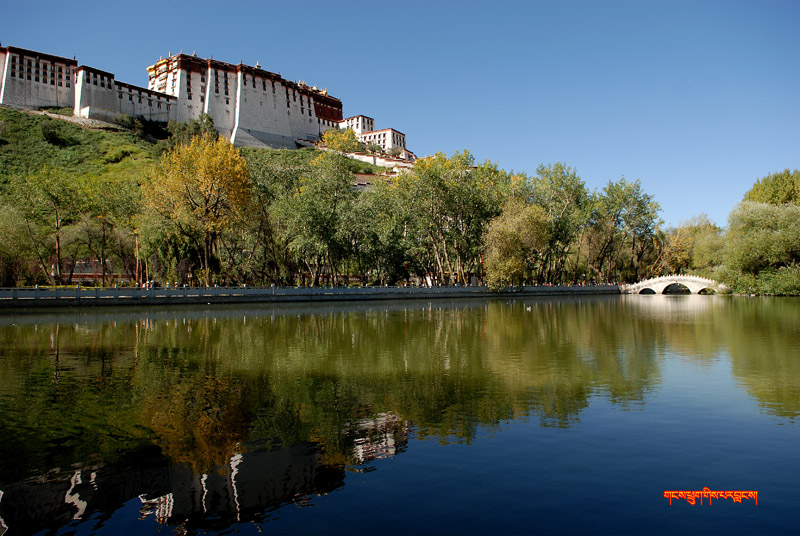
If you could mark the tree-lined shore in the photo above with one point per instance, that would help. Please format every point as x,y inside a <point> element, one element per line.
<point>176,204</point>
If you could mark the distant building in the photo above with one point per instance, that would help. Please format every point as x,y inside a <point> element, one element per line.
<point>387,139</point>
<point>358,124</point>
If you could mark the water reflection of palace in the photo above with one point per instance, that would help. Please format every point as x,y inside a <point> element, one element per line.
<point>246,489</point>
<point>378,437</point>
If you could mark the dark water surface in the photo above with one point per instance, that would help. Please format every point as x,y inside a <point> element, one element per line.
<point>534,416</point>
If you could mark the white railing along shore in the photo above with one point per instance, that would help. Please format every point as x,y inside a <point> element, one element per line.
<point>21,296</point>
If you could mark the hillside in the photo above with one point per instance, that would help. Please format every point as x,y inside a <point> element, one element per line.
<point>29,141</point>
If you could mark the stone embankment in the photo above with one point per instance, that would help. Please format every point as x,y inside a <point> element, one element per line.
<point>14,298</point>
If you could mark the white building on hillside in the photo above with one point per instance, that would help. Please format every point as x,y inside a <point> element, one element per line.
<point>30,79</point>
<point>33,79</point>
<point>389,140</point>
<point>359,124</point>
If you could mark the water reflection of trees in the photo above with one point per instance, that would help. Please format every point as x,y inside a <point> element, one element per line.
<point>759,335</point>
<point>204,386</point>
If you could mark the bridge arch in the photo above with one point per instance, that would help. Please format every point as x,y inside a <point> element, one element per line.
<point>658,285</point>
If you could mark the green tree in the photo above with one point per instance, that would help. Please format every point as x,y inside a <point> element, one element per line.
<point>107,223</point>
<point>694,246</point>
<point>276,178</point>
<point>605,237</point>
<point>764,248</point>
<point>763,238</point>
<point>15,248</point>
<point>319,203</point>
<point>640,224</point>
<point>50,201</point>
<point>562,194</point>
<point>516,243</point>
<point>776,189</point>
<point>447,204</point>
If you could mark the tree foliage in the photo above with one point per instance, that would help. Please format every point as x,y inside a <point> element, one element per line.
<point>447,204</point>
<point>696,246</point>
<point>763,238</point>
<point>516,243</point>
<point>298,217</point>
<point>201,190</point>
<point>776,189</point>
<point>314,212</point>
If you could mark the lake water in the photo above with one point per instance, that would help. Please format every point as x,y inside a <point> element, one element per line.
<point>528,416</point>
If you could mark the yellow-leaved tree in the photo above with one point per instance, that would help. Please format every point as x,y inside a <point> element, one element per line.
<point>201,190</point>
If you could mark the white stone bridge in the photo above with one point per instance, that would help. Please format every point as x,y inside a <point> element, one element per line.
<point>694,283</point>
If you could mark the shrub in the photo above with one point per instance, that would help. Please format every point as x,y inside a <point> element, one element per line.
<point>52,133</point>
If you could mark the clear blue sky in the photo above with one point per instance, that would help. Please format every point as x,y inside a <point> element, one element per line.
<point>697,99</point>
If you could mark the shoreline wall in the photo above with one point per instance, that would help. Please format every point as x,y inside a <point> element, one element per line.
<point>20,298</point>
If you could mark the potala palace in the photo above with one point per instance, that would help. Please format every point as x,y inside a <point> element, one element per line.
<point>249,105</point>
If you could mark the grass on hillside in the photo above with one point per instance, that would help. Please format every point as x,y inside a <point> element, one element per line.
<point>28,142</point>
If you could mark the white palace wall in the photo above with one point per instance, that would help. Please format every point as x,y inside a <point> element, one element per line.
<point>33,79</point>
<point>249,106</point>
<point>3,68</point>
